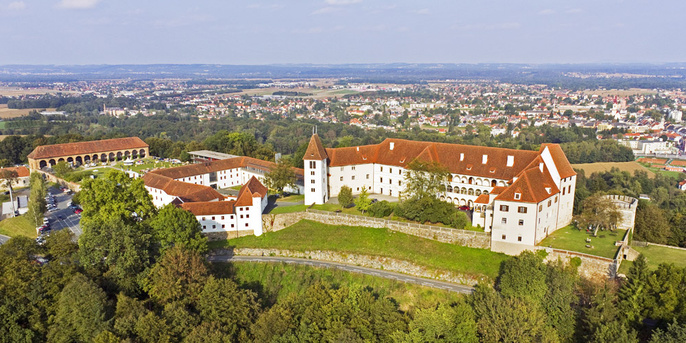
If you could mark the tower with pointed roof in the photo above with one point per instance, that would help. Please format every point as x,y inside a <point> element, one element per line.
<point>316,172</point>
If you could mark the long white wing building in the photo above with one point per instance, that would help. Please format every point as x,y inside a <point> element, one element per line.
<point>520,196</point>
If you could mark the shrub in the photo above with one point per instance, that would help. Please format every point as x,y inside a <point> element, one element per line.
<point>345,196</point>
<point>381,209</point>
<point>430,209</point>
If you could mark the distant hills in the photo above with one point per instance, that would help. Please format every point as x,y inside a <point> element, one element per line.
<point>671,75</point>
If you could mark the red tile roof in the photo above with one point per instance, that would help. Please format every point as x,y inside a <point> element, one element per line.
<point>210,207</point>
<point>85,148</point>
<point>561,163</point>
<point>405,151</point>
<point>21,171</point>
<point>186,191</point>
<point>532,185</point>
<point>214,166</point>
<point>315,150</point>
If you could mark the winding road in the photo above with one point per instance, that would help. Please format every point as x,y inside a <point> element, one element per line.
<point>349,268</point>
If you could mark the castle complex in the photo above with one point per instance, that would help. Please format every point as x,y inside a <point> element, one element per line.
<point>519,196</point>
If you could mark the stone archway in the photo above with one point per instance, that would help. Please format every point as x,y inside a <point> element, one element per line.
<point>103,158</point>
<point>471,180</point>
<point>79,160</point>
<point>127,154</point>
<point>111,157</point>
<point>134,154</point>
<point>70,160</point>
<point>60,160</point>
<point>52,162</point>
<point>493,183</point>
<point>86,159</point>
<point>119,155</point>
<point>142,153</point>
<point>470,204</point>
<point>42,164</point>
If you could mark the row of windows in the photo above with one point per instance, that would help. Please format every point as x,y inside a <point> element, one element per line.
<point>504,221</point>
<point>519,238</point>
<point>222,217</point>
<point>505,208</point>
<point>214,226</point>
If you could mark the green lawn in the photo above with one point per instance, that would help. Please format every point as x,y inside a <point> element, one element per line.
<point>673,174</point>
<point>308,235</point>
<point>17,226</point>
<point>657,255</point>
<point>569,238</point>
<point>275,281</point>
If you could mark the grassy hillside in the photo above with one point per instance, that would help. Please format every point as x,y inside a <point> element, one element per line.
<point>309,235</point>
<point>274,281</point>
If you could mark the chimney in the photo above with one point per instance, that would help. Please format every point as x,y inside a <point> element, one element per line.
<point>510,160</point>
<point>392,145</point>
<point>484,159</point>
<point>540,166</point>
<point>461,156</point>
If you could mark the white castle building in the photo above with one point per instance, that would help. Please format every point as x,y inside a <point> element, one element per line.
<point>193,187</point>
<point>519,196</point>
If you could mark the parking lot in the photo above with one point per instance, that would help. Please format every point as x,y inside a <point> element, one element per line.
<point>63,216</point>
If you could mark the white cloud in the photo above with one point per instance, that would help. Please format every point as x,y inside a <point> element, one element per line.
<point>16,6</point>
<point>546,11</point>
<point>77,4</point>
<point>342,2</point>
<point>574,10</point>
<point>423,11</point>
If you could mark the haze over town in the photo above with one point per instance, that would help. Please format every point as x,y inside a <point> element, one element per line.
<point>339,31</point>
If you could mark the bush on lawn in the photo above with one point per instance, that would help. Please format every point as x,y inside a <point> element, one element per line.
<point>430,209</point>
<point>381,209</point>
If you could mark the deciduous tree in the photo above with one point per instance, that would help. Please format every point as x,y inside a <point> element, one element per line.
<point>281,176</point>
<point>345,196</point>
<point>173,226</point>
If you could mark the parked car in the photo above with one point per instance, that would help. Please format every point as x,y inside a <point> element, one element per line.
<point>78,211</point>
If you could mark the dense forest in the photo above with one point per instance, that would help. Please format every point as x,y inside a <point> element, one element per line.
<point>144,278</point>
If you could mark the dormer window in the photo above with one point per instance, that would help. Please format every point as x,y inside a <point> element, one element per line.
<point>548,189</point>
<point>469,167</point>
<point>484,159</point>
<point>517,196</point>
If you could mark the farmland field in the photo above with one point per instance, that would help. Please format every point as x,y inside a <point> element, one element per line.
<point>13,113</point>
<point>590,168</point>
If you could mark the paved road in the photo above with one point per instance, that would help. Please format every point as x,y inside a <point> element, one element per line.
<point>350,268</point>
<point>70,220</point>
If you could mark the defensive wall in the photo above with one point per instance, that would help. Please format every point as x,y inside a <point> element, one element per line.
<point>473,239</point>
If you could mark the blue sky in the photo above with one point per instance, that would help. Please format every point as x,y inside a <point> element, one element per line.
<point>340,31</point>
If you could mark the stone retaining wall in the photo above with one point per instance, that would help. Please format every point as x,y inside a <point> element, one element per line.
<point>376,262</point>
<point>592,267</point>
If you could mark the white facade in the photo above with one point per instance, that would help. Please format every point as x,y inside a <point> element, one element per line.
<point>316,182</point>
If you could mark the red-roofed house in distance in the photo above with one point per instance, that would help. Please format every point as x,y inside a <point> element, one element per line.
<point>22,178</point>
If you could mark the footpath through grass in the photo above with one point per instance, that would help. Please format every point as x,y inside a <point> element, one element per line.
<point>308,235</point>
<point>275,281</point>
<point>17,226</point>
<point>570,238</point>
